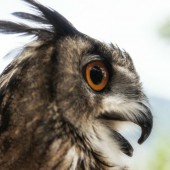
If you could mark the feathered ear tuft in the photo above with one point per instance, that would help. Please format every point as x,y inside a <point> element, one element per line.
<point>58,25</point>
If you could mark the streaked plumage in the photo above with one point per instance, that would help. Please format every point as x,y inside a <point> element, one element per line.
<point>51,118</point>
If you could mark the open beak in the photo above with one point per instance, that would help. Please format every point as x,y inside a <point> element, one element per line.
<point>142,118</point>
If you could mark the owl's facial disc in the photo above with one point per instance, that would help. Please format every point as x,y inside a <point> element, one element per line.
<point>120,99</point>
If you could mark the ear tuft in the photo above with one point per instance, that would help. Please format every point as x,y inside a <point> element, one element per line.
<point>56,25</point>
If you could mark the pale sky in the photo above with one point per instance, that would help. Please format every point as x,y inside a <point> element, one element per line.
<point>132,25</point>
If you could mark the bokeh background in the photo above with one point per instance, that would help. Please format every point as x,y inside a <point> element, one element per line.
<point>141,27</point>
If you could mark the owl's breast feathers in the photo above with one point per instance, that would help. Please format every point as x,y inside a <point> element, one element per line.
<point>58,108</point>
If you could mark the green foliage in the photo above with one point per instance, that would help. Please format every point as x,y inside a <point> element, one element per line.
<point>160,159</point>
<point>165,30</point>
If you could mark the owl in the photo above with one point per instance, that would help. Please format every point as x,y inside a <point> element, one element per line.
<point>63,98</point>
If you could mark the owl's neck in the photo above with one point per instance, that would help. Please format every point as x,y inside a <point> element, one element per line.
<point>96,150</point>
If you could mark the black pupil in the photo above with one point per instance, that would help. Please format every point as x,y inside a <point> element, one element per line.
<point>96,75</point>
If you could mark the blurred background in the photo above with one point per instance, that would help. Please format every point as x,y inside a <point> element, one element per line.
<point>142,28</point>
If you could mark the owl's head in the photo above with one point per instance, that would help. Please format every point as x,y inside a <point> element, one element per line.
<point>87,86</point>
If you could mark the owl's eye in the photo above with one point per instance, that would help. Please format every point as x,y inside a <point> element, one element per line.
<point>97,75</point>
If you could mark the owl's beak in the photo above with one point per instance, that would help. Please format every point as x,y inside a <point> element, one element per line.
<point>146,124</point>
<point>143,119</point>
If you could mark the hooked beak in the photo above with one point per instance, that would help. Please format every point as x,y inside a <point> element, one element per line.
<point>146,125</point>
<point>143,118</point>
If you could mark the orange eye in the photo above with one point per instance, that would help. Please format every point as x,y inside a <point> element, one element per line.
<point>97,75</point>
